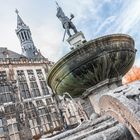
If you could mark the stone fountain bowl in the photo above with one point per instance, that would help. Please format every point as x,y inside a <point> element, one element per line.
<point>104,58</point>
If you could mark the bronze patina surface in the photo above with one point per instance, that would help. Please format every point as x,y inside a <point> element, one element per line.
<point>96,60</point>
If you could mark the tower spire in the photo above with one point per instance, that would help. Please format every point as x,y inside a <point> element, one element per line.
<point>20,22</point>
<point>24,34</point>
<point>16,11</point>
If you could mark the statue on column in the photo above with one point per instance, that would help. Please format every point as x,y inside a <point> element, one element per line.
<point>66,22</point>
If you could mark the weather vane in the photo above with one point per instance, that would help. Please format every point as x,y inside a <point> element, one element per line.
<point>17,11</point>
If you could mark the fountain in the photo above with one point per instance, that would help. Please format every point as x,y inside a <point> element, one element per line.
<point>103,58</point>
<point>93,71</point>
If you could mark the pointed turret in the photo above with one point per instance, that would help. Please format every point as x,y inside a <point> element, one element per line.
<point>24,34</point>
<point>20,22</point>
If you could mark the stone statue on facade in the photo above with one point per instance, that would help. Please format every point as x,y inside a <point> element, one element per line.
<point>66,22</point>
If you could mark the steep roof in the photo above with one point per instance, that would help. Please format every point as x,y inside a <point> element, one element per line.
<point>5,53</point>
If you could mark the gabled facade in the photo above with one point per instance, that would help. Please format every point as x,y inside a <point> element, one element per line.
<point>27,108</point>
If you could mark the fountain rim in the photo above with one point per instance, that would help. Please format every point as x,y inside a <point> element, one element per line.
<point>53,69</point>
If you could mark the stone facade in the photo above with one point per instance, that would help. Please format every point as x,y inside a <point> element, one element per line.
<point>27,106</point>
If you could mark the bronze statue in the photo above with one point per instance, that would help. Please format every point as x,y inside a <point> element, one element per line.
<point>66,22</point>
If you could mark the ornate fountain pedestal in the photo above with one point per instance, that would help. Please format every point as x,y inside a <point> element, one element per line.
<point>94,93</point>
<point>76,40</point>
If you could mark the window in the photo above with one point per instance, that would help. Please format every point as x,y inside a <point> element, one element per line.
<point>22,35</point>
<point>49,101</point>
<point>45,118</point>
<point>42,82</point>
<point>33,84</point>
<point>34,126</point>
<point>28,35</point>
<point>1,131</point>
<point>23,86</point>
<point>1,127</point>
<point>6,97</point>
<point>3,98</point>
<point>25,93</point>
<point>5,94</point>
<point>39,103</point>
<point>3,76</point>
<point>55,116</point>
<point>42,111</point>
<point>12,127</point>
<point>49,118</point>
<point>4,88</point>
<point>44,87</point>
<point>31,75</point>
<point>10,109</point>
<point>35,92</point>
<point>44,128</point>
<point>42,120</point>
<point>25,35</point>
<point>31,123</point>
<point>40,74</point>
<point>28,105</point>
<point>21,76</point>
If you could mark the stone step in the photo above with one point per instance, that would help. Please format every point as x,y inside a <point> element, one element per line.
<point>86,128</point>
<point>96,129</point>
<point>90,128</point>
<point>117,132</point>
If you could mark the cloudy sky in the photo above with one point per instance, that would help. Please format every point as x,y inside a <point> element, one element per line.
<point>94,17</point>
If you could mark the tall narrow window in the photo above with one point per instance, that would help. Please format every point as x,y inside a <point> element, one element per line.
<point>22,35</point>
<point>42,82</point>
<point>12,127</point>
<point>33,118</point>
<point>6,95</point>
<point>1,128</point>
<point>23,86</point>
<point>28,35</point>
<point>33,83</point>
<point>25,35</point>
<point>3,76</point>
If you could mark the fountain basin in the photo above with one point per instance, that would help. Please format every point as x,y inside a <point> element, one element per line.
<point>103,58</point>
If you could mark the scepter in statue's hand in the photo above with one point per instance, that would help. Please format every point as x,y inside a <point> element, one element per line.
<point>57,4</point>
